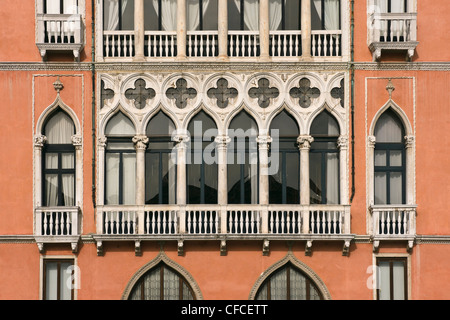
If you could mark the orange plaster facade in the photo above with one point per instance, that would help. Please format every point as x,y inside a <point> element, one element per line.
<point>420,91</point>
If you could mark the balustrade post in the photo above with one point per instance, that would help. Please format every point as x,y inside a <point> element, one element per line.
<point>223,29</point>
<point>223,219</point>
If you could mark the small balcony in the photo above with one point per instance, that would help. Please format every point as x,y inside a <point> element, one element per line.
<point>393,32</point>
<point>230,222</point>
<point>57,225</point>
<point>60,33</point>
<point>392,223</point>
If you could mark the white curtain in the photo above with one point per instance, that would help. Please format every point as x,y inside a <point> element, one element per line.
<point>59,129</point>
<point>112,178</point>
<point>380,188</point>
<point>251,13</point>
<point>168,14</point>
<point>129,178</point>
<point>68,180</point>
<point>172,170</point>
<point>331,13</point>
<point>112,10</point>
<point>120,125</point>
<point>51,181</point>
<point>332,178</point>
<point>171,285</point>
<point>275,14</point>
<point>193,13</point>
<point>388,130</point>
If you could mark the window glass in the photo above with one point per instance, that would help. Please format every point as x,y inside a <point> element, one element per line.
<point>391,279</point>
<point>325,15</point>
<point>243,15</point>
<point>118,15</point>
<point>120,125</point>
<point>201,14</point>
<point>58,279</point>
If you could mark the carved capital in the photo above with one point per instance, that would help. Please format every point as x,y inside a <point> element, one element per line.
<point>77,141</point>
<point>39,141</point>
<point>222,141</point>
<point>304,142</point>
<point>371,140</point>
<point>102,142</point>
<point>409,141</point>
<point>342,142</point>
<point>140,142</point>
<point>263,142</point>
<point>181,140</point>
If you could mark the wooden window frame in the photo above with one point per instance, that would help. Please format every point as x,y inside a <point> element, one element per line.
<point>44,276</point>
<point>391,283</point>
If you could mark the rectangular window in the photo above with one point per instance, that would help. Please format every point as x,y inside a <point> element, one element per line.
<point>325,14</point>
<point>118,15</point>
<point>58,277</point>
<point>284,15</point>
<point>392,279</point>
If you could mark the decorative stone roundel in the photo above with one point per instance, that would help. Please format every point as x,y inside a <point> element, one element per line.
<point>304,92</point>
<point>181,93</point>
<point>222,93</point>
<point>263,93</point>
<point>140,94</point>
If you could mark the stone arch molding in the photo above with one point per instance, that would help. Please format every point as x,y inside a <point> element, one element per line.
<point>162,257</point>
<point>298,264</point>
<point>390,104</point>
<point>222,116</point>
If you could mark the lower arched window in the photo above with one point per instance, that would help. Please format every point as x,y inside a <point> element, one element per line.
<point>288,283</point>
<point>162,283</point>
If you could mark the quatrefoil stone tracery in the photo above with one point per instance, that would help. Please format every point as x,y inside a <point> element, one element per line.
<point>263,93</point>
<point>140,94</point>
<point>181,93</point>
<point>304,93</point>
<point>222,93</point>
<point>338,93</point>
<point>105,94</point>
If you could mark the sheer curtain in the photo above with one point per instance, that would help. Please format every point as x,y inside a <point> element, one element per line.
<point>251,13</point>
<point>332,173</point>
<point>59,129</point>
<point>112,13</point>
<point>330,14</point>
<point>193,13</point>
<point>168,14</point>
<point>68,180</point>
<point>51,180</point>
<point>275,14</point>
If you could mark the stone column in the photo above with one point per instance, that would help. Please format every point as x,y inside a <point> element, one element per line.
<point>139,30</point>
<point>306,29</point>
<point>263,147</point>
<point>77,142</point>
<point>223,29</point>
<point>304,144</point>
<point>342,144</point>
<point>371,140</point>
<point>140,143</point>
<point>181,29</point>
<point>409,146</point>
<point>264,27</point>
<point>39,142</point>
<point>101,170</point>
<point>181,147</point>
<point>221,147</point>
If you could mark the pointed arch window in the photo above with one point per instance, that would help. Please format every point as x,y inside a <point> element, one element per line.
<point>162,283</point>
<point>120,161</point>
<point>160,161</point>
<point>242,164</point>
<point>202,169</point>
<point>288,283</point>
<point>59,161</point>
<point>389,160</point>
<point>324,160</point>
<point>284,185</point>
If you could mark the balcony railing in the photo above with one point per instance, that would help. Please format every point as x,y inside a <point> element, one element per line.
<point>202,44</point>
<point>326,43</point>
<point>393,31</point>
<point>57,225</point>
<point>243,43</point>
<point>118,44</point>
<point>393,222</point>
<point>231,219</point>
<point>59,32</point>
<point>160,44</point>
<point>285,43</point>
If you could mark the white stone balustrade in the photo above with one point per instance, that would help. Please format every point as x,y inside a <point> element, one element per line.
<point>393,220</point>
<point>59,32</point>
<point>202,43</point>
<point>326,43</point>
<point>243,43</point>
<point>227,219</point>
<point>161,44</point>
<point>57,221</point>
<point>118,44</point>
<point>285,43</point>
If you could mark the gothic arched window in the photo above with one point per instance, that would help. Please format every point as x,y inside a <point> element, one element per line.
<point>59,161</point>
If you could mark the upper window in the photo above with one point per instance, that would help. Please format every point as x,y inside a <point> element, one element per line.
<point>242,169</point>
<point>393,6</point>
<point>288,283</point>
<point>284,185</point>
<point>118,15</point>
<point>58,279</point>
<point>243,15</point>
<point>392,279</point>
<point>162,283</point>
<point>202,170</point>
<point>120,158</point>
<point>325,15</point>
<point>390,160</point>
<point>59,161</point>
<point>61,6</point>
<point>284,15</point>
<point>201,14</point>
<point>160,15</point>
<point>160,173</point>
<point>324,160</point>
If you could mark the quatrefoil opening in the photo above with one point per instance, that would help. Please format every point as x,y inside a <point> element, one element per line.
<point>263,92</point>
<point>339,93</point>
<point>140,94</point>
<point>181,93</point>
<point>222,93</point>
<point>304,93</point>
